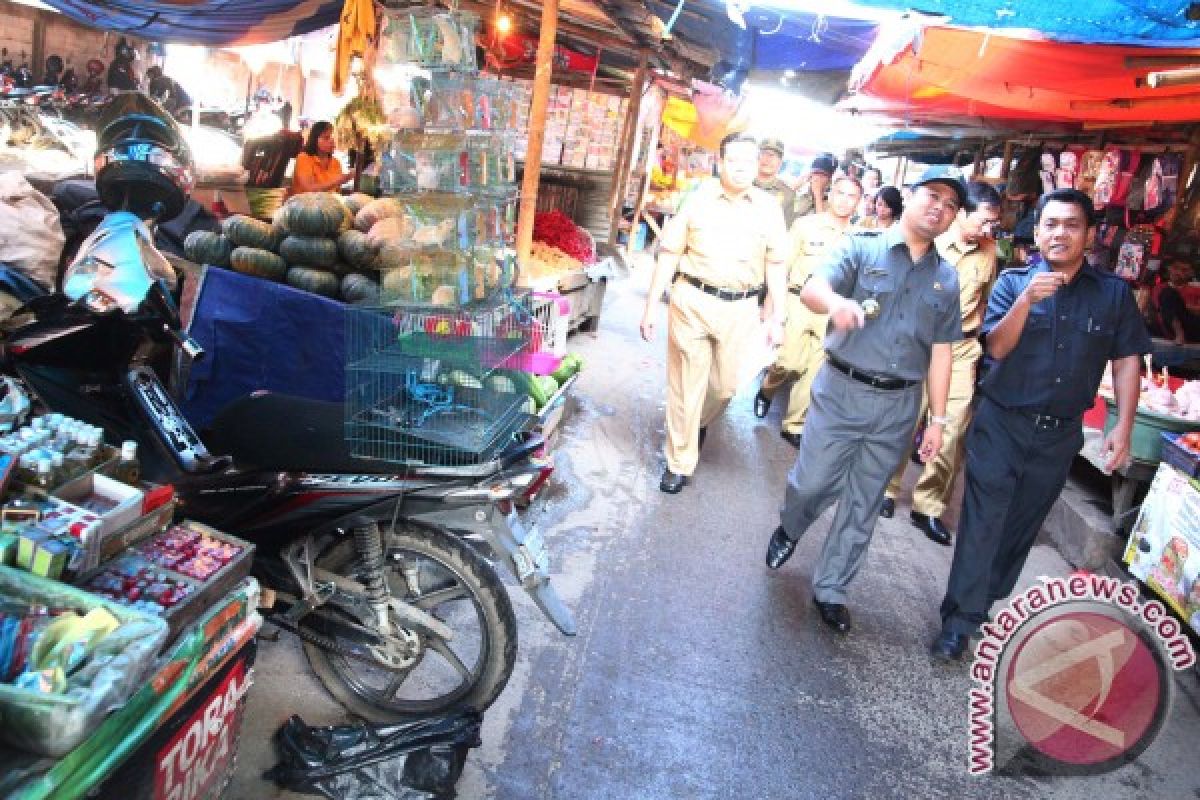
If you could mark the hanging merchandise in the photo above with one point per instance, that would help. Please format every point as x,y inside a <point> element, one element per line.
<point>1115,176</point>
<point>1134,253</point>
<point>1048,172</point>
<point>1089,170</point>
<point>356,31</point>
<point>1069,162</point>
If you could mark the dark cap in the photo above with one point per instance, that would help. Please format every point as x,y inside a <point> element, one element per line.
<point>773,144</point>
<point>825,162</point>
<point>950,176</point>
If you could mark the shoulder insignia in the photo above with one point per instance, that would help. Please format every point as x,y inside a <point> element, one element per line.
<point>866,233</point>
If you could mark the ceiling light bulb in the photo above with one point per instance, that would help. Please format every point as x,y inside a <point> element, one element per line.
<point>504,23</point>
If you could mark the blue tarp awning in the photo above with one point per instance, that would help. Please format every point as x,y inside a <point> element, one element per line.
<point>205,22</point>
<point>1149,23</point>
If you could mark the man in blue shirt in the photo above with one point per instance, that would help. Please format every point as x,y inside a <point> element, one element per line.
<point>1050,331</point>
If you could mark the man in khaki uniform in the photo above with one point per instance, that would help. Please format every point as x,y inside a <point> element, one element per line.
<point>969,247</point>
<point>727,239</point>
<point>770,161</point>
<point>802,352</point>
<point>810,195</point>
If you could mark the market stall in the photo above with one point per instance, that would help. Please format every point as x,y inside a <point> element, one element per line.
<point>122,632</point>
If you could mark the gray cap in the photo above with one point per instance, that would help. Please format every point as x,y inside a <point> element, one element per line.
<point>950,176</point>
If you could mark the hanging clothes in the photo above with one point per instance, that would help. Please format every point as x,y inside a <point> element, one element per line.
<point>357,29</point>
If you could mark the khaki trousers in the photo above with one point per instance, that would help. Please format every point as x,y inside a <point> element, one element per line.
<point>936,483</point>
<point>800,358</point>
<point>706,339</point>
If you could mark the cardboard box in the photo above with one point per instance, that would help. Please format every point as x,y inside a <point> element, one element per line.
<point>122,504</point>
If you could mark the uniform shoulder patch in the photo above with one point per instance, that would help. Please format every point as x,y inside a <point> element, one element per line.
<point>866,233</point>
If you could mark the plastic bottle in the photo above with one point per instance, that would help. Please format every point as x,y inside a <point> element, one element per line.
<point>44,479</point>
<point>128,470</point>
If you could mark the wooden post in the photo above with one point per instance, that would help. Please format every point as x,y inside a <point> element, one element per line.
<point>37,61</point>
<point>616,203</point>
<point>901,168</point>
<point>980,161</point>
<point>1006,167</point>
<point>537,129</point>
<point>645,187</point>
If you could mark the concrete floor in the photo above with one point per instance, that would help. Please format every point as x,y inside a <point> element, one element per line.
<point>697,673</point>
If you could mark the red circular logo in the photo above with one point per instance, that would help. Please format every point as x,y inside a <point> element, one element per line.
<point>1085,689</point>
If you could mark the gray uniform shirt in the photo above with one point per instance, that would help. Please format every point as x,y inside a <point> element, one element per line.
<point>918,304</point>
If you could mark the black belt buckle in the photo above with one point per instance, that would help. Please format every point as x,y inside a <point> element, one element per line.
<point>1046,422</point>
<point>874,381</point>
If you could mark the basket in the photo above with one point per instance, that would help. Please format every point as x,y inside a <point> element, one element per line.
<point>1146,442</point>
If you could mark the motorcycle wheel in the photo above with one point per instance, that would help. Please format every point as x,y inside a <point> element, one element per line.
<point>445,577</point>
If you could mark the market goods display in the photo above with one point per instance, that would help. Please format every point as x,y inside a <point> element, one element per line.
<point>355,202</point>
<point>207,247</point>
<point>246,231</point>
<point>559,231</point>
<point>547,261</point>
<point>374,211</point>
<point>1158,397</point>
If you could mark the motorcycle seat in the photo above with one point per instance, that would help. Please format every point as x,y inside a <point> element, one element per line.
<point>272,431</point>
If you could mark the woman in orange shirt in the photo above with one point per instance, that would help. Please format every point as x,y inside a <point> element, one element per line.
<point>316,168</point>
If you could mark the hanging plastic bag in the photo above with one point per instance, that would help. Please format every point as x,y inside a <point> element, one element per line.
<point>31,238</point>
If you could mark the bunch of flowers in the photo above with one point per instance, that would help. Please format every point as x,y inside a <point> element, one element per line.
<point>558,230</point>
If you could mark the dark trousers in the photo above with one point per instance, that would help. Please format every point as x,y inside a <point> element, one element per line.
<point>1014,473</point>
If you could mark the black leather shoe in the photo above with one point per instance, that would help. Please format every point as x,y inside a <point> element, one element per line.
<point>762,404</point>
<point>780,548</point>
<point>949,646</point>
<point>888,509</point>
<point>835,615</point>
<point>700,438</point>
<point>672,483</point>
<point>792,438</point>
<point>931,527</point>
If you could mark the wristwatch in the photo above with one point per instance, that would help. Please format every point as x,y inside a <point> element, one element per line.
<point>936,420</point>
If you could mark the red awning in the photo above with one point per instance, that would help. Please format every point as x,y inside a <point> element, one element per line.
<point>961,72</point>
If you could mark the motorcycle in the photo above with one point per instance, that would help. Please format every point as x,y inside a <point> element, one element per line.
<point>384,571</point>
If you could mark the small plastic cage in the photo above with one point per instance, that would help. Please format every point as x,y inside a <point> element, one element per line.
<point>451,101</point>
<point>426,386</point>
<point>463,163</point>
<point>428,37</point>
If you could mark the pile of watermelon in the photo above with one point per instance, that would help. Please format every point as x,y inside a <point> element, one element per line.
<point>316,242</point>
<point>538,389</point>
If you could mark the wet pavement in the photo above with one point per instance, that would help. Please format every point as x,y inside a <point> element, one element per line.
<point>697,672</point>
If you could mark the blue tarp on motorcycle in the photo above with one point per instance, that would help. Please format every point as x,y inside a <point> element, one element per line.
<point>262,335</point>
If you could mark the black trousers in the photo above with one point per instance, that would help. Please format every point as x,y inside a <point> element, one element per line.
<point>1015,471</point>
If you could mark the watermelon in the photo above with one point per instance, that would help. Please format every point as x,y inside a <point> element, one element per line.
<point>309,251</point>
<point>357,250</point>
<point>246,231</point>
<point>313,280</point>
<point>206,247</point>
<point>257,262</point>
<point>360,290</point>
<point>314,214</point>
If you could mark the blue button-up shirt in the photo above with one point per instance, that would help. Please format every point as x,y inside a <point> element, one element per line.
<point>918,304</point>
<point>1067,341</point>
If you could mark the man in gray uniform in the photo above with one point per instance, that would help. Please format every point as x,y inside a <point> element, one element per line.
<point>893,308</point>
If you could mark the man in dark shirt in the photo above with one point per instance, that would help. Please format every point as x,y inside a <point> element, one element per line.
<point>166,91</point>
<point>266,158</point>
<point>1179,324</point>
<point>1050,331</point>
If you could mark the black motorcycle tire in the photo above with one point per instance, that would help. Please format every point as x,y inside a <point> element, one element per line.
<point>498,624</point>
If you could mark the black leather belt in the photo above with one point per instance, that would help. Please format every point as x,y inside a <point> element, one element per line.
<point>717,291</point>
<point>796,290</point>
<point>971,334</point>
<point>870,378</point>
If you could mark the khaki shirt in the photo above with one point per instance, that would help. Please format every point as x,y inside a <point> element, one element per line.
<point>727,241</point>
<point>976,268</point>
<point>812,238</point>
<point>784,194</point>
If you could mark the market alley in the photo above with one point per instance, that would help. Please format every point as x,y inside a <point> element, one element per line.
<point>698,673</point>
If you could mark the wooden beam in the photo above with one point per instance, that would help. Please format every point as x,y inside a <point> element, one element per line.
<point>37,61</point>
<point>616,202</point>
<point>1007,165</point>
<point>537,129</point>
<point>645,187</point>
<point>1160,62</point>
